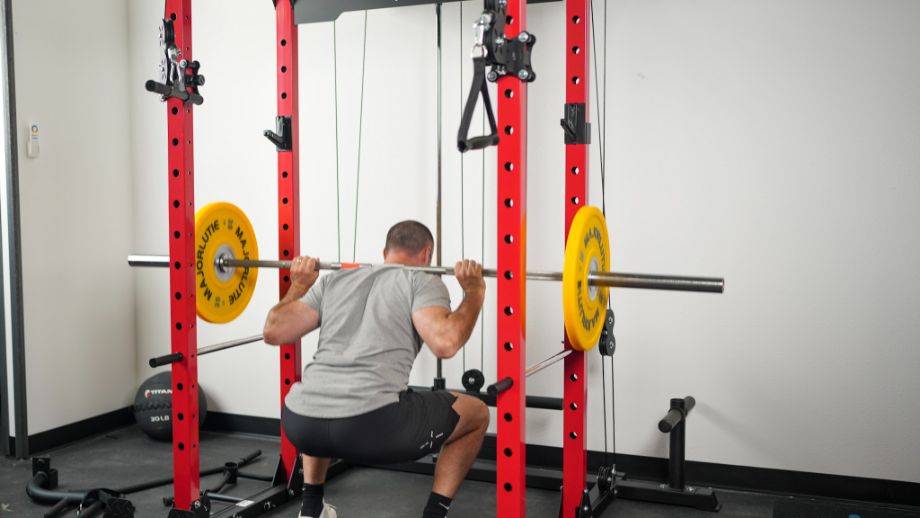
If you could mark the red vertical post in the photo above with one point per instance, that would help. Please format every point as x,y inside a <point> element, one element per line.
<point>288,195</point>
<point>512,268</point>
<point>575,397</point>
<point>182,275</point>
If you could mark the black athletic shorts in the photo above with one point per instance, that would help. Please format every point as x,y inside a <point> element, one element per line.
<point>399,432</point>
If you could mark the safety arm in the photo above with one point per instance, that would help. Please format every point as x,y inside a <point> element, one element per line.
<point>291,318</point>
<point>444,331</point>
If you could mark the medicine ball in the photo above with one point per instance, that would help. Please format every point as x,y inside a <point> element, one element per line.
<point>153,406</point>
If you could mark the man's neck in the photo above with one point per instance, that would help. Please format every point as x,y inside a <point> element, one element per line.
<point>403,258</point>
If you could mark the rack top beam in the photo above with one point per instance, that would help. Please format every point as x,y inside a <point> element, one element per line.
<point>313,11</point>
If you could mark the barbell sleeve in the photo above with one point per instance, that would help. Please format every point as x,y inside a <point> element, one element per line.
<point>611,280</point>
<point>159,261</point>
<point>680,409</point>
<point>657,282</point>
<point>166,359</point>
<point>670,420</point>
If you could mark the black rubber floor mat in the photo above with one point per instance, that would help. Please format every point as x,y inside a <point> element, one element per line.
<point>809,509</point>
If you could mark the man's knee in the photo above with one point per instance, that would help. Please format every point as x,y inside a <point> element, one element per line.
<point>482,414</point>
<point>472,410</point>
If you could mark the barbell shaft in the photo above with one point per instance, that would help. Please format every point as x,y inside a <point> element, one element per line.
<point>612,279</point>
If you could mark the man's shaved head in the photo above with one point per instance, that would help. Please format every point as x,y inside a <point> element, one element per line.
<point>409,236</point>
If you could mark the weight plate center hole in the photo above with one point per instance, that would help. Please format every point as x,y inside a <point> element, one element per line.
<point>592,269</point>
<point>224,272</point>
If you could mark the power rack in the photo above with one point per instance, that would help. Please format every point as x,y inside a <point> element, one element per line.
<point>511,174</point>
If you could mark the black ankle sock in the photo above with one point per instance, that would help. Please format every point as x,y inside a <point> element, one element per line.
<point>437,506</point>
<point>312,500</point>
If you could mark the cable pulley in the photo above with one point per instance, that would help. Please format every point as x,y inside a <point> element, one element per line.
<point>179,77</point>
<point>473,380</point>
<point>502,56</point>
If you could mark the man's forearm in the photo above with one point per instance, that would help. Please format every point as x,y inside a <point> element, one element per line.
<point>294,293</point>
<point>280,313</point>
<point>463,320</point>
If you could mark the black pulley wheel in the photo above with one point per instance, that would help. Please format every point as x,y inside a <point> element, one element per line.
<point>473,380</point>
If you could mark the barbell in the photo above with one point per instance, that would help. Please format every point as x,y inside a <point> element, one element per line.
<point>227,263</point>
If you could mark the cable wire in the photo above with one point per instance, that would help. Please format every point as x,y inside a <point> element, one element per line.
<point>438,73</point>
<point>439,245</point>
<point>601,123</point>
<point>462,168</point>
<point>354,249</point>
<point>335,91</point>
<point>602,148</point>
<point>482,249</point>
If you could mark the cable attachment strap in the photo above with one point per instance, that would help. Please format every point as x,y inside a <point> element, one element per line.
<point>179,77</point>
<point>464,143</point>
<point>504,57</point>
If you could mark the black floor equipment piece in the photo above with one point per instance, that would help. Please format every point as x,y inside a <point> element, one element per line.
<point>675,491</point>
<point>111,503</point>
<point>799,508</point>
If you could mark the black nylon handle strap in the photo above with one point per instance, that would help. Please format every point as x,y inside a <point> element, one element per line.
<point>479,87</point>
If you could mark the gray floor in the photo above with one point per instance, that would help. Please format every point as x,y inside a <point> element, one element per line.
<point>126,457</point>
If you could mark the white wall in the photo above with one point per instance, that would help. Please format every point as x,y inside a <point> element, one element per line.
<point>770,143</point>
<point>75,209</point>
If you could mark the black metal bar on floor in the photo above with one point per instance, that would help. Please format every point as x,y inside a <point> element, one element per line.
<point>218,497</point>
<point>484,471</point>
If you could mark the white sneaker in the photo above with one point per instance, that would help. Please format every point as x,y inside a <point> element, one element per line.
<point>328,512</point>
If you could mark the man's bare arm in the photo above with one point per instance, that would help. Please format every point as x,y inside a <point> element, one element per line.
<point>444,331</point>
<point>292,318</point>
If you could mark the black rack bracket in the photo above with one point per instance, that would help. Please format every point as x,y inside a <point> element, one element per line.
<point>576,125</point>
<point>281,137</point>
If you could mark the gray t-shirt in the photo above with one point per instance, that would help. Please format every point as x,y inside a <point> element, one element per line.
<point>367,342</point>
